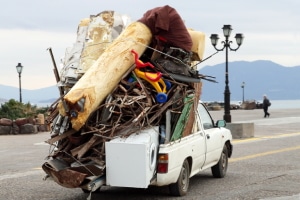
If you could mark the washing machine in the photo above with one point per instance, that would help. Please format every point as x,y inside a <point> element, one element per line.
<point>131,161</point>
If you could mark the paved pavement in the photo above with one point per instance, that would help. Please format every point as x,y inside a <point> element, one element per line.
<point>281,121</point>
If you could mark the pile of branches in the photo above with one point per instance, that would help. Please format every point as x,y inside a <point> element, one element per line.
<point>131,107</point>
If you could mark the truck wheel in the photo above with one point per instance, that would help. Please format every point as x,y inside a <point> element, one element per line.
<point>219,170</point>
<point>180,188</point>
<point>87,191</point>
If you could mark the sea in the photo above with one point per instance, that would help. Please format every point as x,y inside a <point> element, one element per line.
<point>280,104</point>
<point>276,104</point>
<point>285,104</point>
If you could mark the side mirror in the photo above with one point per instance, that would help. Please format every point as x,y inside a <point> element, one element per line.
<point>221,123</point>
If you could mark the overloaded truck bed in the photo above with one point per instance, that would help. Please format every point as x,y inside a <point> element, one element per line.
<point>111,92</point>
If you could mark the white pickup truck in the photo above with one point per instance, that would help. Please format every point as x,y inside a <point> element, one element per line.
<point>94,138</point>
<point>141,159</point>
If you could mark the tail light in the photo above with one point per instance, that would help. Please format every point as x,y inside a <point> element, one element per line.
<point>163,163</point>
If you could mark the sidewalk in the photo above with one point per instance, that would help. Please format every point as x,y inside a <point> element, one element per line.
<point>281,121</point>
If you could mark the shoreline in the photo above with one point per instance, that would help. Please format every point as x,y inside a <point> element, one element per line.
<point>276,104</point>
<point>281,121</point>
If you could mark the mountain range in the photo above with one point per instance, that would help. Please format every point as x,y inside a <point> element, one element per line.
<point>260,77</point>
<point>43,96</point>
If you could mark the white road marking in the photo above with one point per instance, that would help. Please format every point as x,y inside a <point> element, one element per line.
<point>20,174</point>
<point>41,143</point>
<point>247,140</point>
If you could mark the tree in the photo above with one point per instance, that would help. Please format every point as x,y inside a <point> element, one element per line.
<point>14,109</point>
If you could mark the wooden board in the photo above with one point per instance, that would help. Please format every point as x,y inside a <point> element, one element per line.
<point>183,119</point>
<point>188,129</point>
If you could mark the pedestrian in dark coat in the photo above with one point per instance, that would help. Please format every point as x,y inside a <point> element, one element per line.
<point>266,104</point>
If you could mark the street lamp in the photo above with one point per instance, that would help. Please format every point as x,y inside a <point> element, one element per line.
<point>19,70</point>
<point>243,87</point>
<point>226,45</point>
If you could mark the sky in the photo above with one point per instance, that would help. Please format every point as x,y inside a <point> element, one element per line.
<point>28,28</point>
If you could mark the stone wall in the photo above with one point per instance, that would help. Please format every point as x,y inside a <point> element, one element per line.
<point>23,125</point>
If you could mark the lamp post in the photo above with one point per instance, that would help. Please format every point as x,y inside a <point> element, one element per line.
<point>226,45</point>
<point>19,70</point>
<point>243,88</point>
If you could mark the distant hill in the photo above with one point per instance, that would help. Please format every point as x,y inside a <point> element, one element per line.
<point>260,77</point>
<point>39,96</point>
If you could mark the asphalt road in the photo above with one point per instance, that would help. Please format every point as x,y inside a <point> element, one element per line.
<point>265,167</point>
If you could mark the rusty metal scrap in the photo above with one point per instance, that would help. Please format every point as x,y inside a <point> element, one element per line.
<point>70,177</point>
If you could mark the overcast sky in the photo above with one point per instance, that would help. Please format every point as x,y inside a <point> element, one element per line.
<point>28,28</point>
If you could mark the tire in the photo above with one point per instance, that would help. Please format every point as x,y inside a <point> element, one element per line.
<point>87,191</point>
<point>220,169</point>
<point>180,188</point>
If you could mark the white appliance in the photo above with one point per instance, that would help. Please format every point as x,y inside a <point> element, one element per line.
<point>131,161</point>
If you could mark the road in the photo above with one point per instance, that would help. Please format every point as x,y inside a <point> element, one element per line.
<point>265,167</point>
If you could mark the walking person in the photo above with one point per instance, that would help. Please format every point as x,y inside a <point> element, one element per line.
<point>266,104</point>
